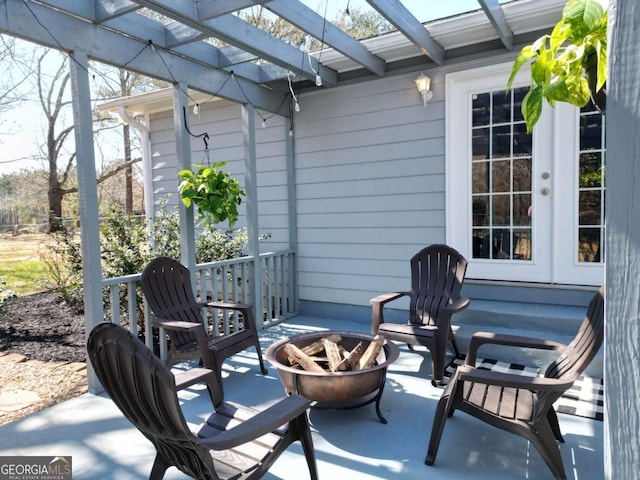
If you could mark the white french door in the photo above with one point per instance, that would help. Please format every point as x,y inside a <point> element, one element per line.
<point>523,206</point>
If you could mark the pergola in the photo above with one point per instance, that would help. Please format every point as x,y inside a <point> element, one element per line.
<point>113,31</point>
<point>171,40</point>
<point>179,42</point>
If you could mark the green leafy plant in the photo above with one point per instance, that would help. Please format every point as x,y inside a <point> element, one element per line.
<point>165,233</point>
<point>213,191</point>
<point>63,265</point>
<point>214,245</point>
<point>570,64</point>
<point>4,295</point>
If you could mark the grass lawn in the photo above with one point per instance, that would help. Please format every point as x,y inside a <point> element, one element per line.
<point>20,266</point>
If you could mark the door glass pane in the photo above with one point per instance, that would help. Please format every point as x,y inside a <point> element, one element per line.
<point>480,177</point>
<point>591,187</point>
<point>481,109</point>
<point>501,210</point>
<point>502,141</point>
<point>481,243</point>
<point>522,209</point>
<point>480,144</point>
<point>481,211</point>
<point>590,241</point>
<point>522,243</point>
<point>522,175</point>
<point>501,111</point>
<point>501,177</point>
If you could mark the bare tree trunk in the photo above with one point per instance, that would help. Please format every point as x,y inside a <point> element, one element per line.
<point>54,194</point>
<point>128,173</point>
<point>125,89</point>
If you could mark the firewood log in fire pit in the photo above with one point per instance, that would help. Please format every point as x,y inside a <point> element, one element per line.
<point>327,355</point>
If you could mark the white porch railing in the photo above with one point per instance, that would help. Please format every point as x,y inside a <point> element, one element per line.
<point>228,280</point>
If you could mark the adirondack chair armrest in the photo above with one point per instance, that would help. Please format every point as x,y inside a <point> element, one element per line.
<point>377,304</point>
<point>196,328</point>
<point>262,423</point>
<point>176,325</point>
<point>228,305</point>
<point>386,298</point>
<point>193,376</point>
<point>513,380</point>
<point>488,338</point>
<point>244,308</point>
<point>204,376</point>
<point>457,305</point>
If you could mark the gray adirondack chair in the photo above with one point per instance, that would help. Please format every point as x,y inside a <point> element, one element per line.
<point>437,275</point>
<point>166,285</point>
<point>519,404</point>
<point>235,442</point>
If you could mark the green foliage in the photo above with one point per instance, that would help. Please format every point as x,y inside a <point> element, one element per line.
<point>563,59</point>
<point>214,245</point>
<point>63,265</point>
<point>124,242</point>
<point>211,245</point>
<point>125,250</point>
<point>165,233</point>
<point>124,245</point>
<point>213,191</point>
<point>4,295</point>
<point>592,179</point>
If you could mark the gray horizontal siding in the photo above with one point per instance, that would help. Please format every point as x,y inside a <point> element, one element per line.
<point>222,122</point>
<point>370,180</point>
<point>370,186</point>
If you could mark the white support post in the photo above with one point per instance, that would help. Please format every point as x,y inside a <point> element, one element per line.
<point>622,306</point>
<point>291,212</point>
<point>88,199</point>
<point>183,156</point>
<point>251,187</point>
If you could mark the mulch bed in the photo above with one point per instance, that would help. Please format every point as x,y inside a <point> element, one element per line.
<point>42,326</point>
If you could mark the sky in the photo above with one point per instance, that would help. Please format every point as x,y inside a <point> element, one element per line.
<point>21,129</point>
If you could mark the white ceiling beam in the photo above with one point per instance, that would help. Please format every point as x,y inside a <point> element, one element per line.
<point>146,29</point>
<point>216,8</point>
<point>109,9</point>
<point>70,33</point>
<point>494,11</point>
<point>309,21</point>
<point>231,29</point>
<point>401,18</point>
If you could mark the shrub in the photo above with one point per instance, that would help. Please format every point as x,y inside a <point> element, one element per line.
<point>4,295</point>
<point>165,234</point>
<point>63,265</point>
<point>124,244</point>
<point>213,245</point>
<point>125,250</point>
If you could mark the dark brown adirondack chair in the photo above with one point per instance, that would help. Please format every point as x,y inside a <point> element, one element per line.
<point>516,403</point>
<point>235,442</point>
<point>166,284</point>
<point>437,274</point>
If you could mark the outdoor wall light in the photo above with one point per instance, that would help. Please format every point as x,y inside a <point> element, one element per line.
<point>424,83</point>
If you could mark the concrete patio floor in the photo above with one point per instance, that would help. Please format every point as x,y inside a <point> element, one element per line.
<point>350,444</point>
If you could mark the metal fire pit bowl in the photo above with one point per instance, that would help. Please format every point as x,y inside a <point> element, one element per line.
<point>343,389</point>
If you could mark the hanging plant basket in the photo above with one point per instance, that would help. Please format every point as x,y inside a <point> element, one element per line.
<point>215,194</point>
